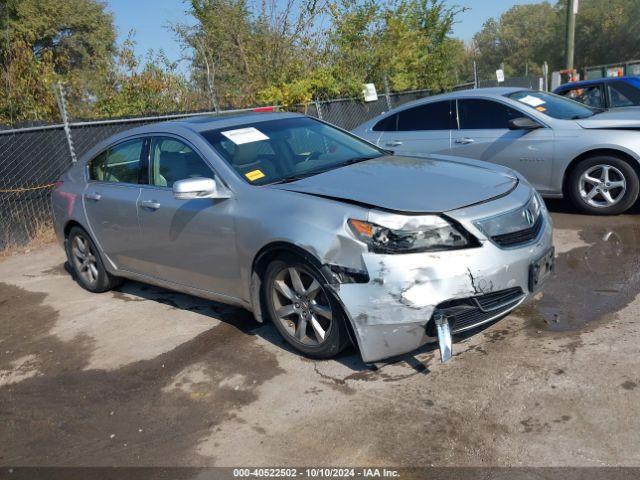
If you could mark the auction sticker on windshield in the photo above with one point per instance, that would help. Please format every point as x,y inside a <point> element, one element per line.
<point>531,100</point>
<point>245,135</point>
<point>254,175</point>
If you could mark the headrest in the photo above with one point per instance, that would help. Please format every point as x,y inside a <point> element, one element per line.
<point>245,153</point>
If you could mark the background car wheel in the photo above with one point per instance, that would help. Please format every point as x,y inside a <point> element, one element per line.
<point>302,310</point>
<point>603,185</point>
<point>86,263</point>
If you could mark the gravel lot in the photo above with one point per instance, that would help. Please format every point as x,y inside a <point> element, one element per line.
<point>144,376</point>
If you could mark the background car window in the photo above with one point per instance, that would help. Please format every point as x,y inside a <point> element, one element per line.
<point>477,114</point>
<point>119,164</point>
<point>388,124</point>
<point>431,116</point>
<point>591,96</point>
<point>622,94</point>
<point>173,160</point>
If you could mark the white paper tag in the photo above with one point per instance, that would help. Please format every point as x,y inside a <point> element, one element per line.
<point>245,135</point>
<point>531,100</point>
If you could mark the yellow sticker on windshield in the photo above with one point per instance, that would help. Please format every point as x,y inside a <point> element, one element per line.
<point>254,175</point>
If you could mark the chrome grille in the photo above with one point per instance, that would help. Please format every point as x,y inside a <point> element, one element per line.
<point>516,227</point>
<point>520,237</point>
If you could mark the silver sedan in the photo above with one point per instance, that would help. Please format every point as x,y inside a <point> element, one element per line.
<point>328,236</point>
<point>564,148</point>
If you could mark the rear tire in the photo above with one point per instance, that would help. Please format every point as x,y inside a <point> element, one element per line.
<point>86,263</point>
<point>302,309</point>
<point>603,185</point>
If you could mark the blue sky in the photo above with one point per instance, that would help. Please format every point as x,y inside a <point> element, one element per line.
<point>149,19</point>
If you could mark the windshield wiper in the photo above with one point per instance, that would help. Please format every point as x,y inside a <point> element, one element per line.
<point>300,176</point>
<point>351,161</point>
<point>293,178</point>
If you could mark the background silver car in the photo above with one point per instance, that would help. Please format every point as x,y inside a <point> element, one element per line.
<point>325,234</point>
<point>564,148</point>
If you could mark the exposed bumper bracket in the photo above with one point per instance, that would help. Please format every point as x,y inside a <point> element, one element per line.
<point>444,336</point>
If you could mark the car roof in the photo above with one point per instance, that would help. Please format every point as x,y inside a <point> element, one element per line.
<point>202,123</point>
<point>196,123</point>
<point>586,83</point>
<point>473,92</point>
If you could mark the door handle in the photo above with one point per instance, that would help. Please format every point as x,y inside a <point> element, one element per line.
<point>150,204</point>
<point>464,140</point>
<point>394,143</point>
<point>95,196</point>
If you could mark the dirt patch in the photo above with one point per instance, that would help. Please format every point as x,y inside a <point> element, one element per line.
<point>66,415</point>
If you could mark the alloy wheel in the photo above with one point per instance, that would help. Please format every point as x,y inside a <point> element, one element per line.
<point>602,186</point>
<point>302,306</point>
<point>84,259</point>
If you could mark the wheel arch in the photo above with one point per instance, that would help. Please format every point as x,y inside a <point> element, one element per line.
<point>271,251</point>
<point>69,225</point>
<point>622,155</point>
<point>259,265</point>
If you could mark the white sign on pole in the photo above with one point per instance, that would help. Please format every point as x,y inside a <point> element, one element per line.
<point>575,7</point>
<point>369,91</point>
<point>500,75</point>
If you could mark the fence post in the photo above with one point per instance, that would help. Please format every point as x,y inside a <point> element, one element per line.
<point>62,105</point>
<point>318,109</point>
<point>475,74</point>
<point>386,92</point>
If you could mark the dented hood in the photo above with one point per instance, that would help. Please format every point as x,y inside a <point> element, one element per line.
<point>408,184</point>
<point>619,119</point>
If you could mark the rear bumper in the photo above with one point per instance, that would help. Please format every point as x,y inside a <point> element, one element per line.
<point>390,313</point>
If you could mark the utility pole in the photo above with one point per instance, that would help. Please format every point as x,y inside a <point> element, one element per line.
<point>572,9</point>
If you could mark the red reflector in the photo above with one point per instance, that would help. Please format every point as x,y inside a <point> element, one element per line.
<point>263,109</point>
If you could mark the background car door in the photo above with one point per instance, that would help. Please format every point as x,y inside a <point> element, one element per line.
<point>484,134</point>
<point>188,242</point>
<point>418,130</point>
<point>110,199</point>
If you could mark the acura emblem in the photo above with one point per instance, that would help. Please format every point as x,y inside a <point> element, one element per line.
<point>528,216</point>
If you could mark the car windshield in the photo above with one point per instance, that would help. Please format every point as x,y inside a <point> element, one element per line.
<point>288,149</point>
<point>553,105</point>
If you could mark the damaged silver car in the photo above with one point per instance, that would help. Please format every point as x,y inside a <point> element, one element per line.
<point>333,239</point>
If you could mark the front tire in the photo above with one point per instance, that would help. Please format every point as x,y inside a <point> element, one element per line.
<point>86,263</point>
<point>302,309</point>
<point>603,185</point>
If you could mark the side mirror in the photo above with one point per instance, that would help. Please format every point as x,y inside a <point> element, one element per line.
<point>192,188</point>
<point>523,123</point>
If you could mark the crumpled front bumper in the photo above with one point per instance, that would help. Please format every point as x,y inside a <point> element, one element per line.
<point>389,314</point>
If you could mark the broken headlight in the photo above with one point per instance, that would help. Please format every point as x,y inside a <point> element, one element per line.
<point>432,235</point>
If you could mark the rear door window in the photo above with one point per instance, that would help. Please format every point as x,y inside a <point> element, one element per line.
<point>480,114</point>
<point>118,164</point>
<point>388,124</point>
<point>430,116</point>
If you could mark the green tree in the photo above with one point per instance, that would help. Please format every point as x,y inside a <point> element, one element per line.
<point>240,50</point>
<point>606,32</point>
<point>45,41</point>
<point>525,36</point>
<point>138,86</point>
<point>243,54</point>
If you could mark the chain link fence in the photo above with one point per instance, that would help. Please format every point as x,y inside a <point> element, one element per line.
<point>32,159</point>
